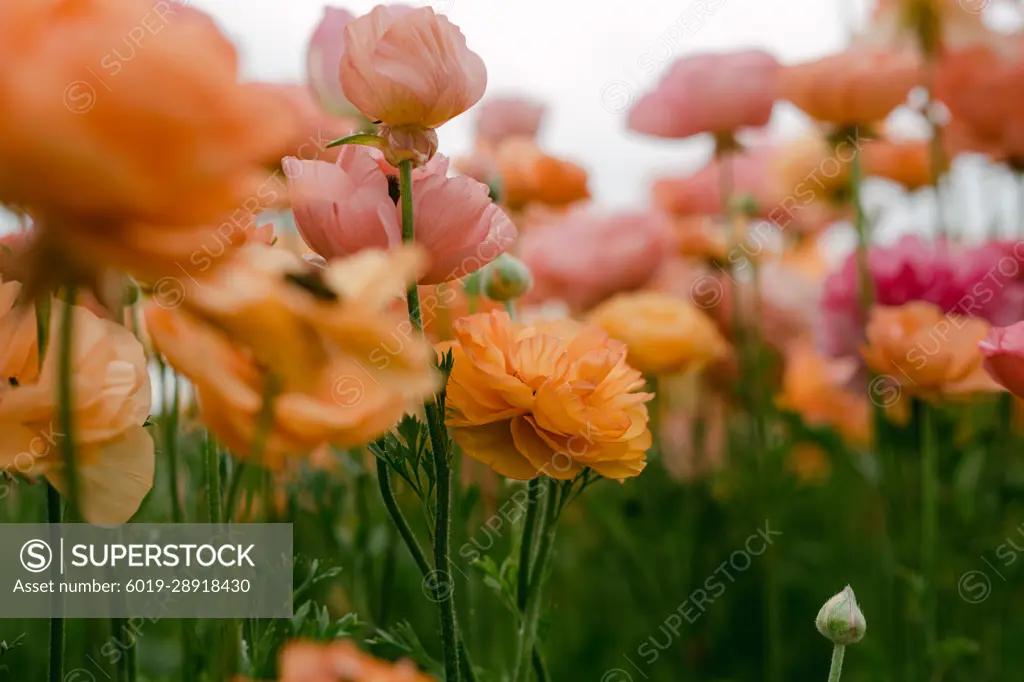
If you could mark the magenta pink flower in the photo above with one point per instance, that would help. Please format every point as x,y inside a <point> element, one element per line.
<point>344,207</point>
<point>985,281</point>
<point>502,118</point>
<point>585,258</point>
<point>1003,349</point>
<point>710,93</point>
<point>409,67</point>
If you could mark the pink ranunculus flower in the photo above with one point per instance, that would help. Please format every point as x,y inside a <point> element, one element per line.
<point>985,281</point>
<point>409,67</point>
<point>586,258</point>
<point>323,60</point>
<point>344,207</point>
<point>502,118</point>
<point>1003,349</point>
<point>710,93</point>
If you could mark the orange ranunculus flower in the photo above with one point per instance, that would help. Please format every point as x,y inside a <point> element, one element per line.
<point>927,352</point>
<point>153,127</point>
<point>528,175</point>
<point>664,333</point>
<point>345,361</point>
<point>815,387</point>
<point>290,314</point>
<point>551,399</point>
<point>341,662</point>
<point>857,87</point>
<point>111,394</point>
<point>907,163</point>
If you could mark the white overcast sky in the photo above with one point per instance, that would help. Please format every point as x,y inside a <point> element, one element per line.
<point>584,58</point>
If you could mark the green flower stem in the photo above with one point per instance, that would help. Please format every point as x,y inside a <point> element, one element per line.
<point>528,541</point>
<point>213,491</point>
<point>65,401</point>
<point>534,600</point>
<point>53,501</point>
<point>442,466</point>
<point>53,516</point>
<point>864,285</point>
<point>837,663</point>
<point>929,524</point>
<point>170,423</point>
<point>387,493</point>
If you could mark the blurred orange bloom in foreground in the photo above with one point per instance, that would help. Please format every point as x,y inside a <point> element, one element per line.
<point>153,126</point>
<point>664,333</point>
<point>546,399</point>
<point>341,662</point>
<point>925,351</point>
<point>111,393</point>
<point>344,361</point>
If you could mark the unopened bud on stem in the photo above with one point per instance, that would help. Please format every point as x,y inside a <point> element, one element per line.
<point>841,620</point>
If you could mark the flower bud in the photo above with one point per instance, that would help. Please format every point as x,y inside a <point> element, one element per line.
<point>408,143</point>
<point>506,278</point>
<point>471,283</point>
<point>840,619</point>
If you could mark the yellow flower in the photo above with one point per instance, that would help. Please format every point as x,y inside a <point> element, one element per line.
<point>664,333</point>
<point>345,359</point>
<point>546,399</point>
<point>111,399</point>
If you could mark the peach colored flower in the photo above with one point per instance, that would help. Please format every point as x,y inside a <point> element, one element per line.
<point>502,118</point>
<point>586,258</point>
<point>344,207</point>
<point>982,88</point>
<point>345,358</point>
<point>907,163</point>
<point>546,399</point>
<point>927,352</point>
<point>816,388</point>
<point>664,334</point>
<point>1003,350</point>
<point>709,93</point>
<point>814,170</point>
<point>100,156</point>
<point>528,175</point>
<point>341,661</point>
<point>860,86</point>
<point>111,393</point>
<point>409,68</point>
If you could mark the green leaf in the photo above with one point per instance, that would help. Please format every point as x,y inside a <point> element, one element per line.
<point>365,139</point>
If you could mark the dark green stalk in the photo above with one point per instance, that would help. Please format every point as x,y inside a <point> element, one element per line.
<point>534,601</point>
<point>53,516</point>
<point>398,518</point>
<point>171,442</point>
<point>929,524</point>
<point>526,545</point>
<point>213,491</point>
<point>65,400</point>
<point>442,466</point>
